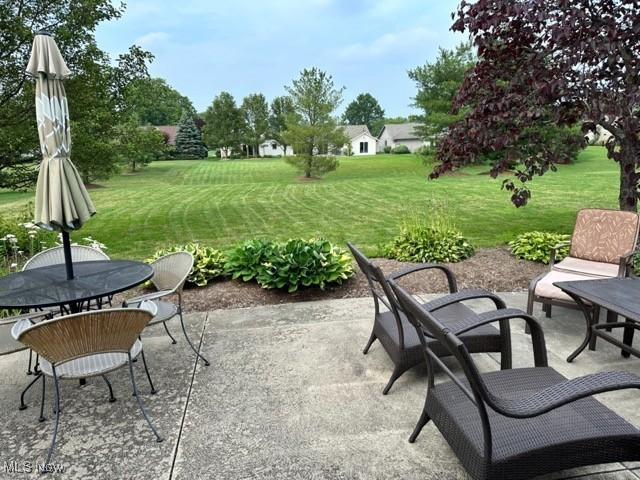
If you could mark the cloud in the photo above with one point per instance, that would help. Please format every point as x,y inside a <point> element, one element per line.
<point>390,43</point>
<point>152,39</point>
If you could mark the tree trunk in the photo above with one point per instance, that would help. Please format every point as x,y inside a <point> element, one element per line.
<point>628,198</point>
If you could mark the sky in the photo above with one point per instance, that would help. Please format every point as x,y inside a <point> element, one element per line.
<point>248,46</point>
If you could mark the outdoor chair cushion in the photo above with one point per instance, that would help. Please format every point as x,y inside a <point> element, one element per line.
<point>604,235</point>
<point>91,365</point>
<point>545,287</point>
<point>475,340</point>
<point>582,429</point>
<point>587,267</point>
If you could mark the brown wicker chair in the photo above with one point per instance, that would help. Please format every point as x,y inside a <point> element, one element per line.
<point>87,345</point>
<point>602,246</point>
<point>520,423</point>
<point>400,339</point>
<point>170,272</point>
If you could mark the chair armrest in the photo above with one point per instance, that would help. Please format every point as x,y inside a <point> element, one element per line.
<point>451,278</point>
<point>625,263</point>
<point>554,252</point>
<point>461,296</point>
<point>149,296</point>
<point>563,393</point>
<point>486,318</point>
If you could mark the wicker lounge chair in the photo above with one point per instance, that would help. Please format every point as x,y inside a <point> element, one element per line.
<point>87,345</point>
<point>400,339</point>
<point>602,246</point>
<point>519,423</point>
<point>170,272</point>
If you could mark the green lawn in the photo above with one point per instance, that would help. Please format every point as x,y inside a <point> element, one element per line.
<point>223,202</point>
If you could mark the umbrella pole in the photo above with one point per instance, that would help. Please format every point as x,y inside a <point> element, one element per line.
<point>68,262</point>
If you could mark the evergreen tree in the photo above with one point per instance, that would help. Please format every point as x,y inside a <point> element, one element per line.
<point>189,142</point>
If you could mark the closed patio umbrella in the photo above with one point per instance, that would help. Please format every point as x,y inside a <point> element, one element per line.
<point>62,202</point>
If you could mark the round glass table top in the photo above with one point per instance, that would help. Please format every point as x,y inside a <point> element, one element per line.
<point>49,286</point>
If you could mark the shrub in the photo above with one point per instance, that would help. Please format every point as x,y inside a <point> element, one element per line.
<point>305,263</point>
<point>246,260</point>
<point>290,265</point>
<point>387,149</point>
<point>400,149</point>
<point>436,240</point>
<point>208,262</point>
<point>536,246</point>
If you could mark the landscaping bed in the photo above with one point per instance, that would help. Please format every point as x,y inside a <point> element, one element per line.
<point>491,268</point>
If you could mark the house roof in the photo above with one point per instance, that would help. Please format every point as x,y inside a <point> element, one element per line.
<point>401,131</point>
<point>352,131</point>
<point>170,131</point>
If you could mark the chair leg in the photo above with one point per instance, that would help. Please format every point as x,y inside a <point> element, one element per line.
<point>42,419</point>
<point>57,421</point>
<point>372,339</point>
<point>422,421</point>
<point>397,371</point>
<point>29,371</point>
<point>548,310</point>
<point>146,370</point>
<point>111,397</point>
<point>184,330</point>
<point>140,404</point>
<point>31,384</point>
<point>166,329</point>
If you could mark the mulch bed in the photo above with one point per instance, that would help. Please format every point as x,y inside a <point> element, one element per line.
<point>493,268</point>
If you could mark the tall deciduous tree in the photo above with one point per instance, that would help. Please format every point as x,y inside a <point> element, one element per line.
<point>95,90</point>
<point>255,111</point>
<point>438,83</point>
<point>224,124</point>
<point>281,109</point>
<point>562,62</point>
<point>364,110</point>
<point>154,102</point>
<point>313,130</point>
<point>189,142</point>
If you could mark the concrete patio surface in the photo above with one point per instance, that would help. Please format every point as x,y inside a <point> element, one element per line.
<point>288,395</point>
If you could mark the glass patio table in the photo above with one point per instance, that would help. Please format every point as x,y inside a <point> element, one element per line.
<point>49,287</point>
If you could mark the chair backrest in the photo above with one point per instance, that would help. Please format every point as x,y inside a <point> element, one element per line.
<point>604,235</point>
<point>55,256</point>
<point>74,336</point>
<point>171,271</point>
<point>379,288</point>
<point>7,343</point>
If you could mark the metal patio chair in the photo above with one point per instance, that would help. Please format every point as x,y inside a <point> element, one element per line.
<point>170,272</point>
<point>519,423</point>
<point>602,246</point>
<point>400,339</point>
<point>86,345</point>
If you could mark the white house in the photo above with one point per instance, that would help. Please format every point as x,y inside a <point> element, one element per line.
<point>361,142</point>
<point>273,148</point>
<point>393,135</point>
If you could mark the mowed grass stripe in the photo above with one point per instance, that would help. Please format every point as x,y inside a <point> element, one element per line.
<point>221,203</point>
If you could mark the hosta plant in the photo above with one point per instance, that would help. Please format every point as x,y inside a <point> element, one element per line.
<point>305,263</point>
<point>246,260</point>
<point>536,246</point>
<point>435,240</point>
<point>208,263</point>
